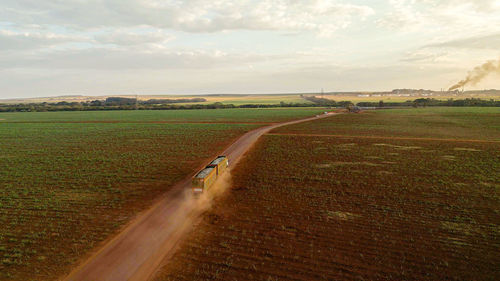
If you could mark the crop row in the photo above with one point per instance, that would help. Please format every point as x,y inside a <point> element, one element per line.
<point>348,208</point>
<point>454,123</point>
<point>244,115</point>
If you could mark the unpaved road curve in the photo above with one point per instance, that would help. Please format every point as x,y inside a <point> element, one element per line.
<point>136,253</point>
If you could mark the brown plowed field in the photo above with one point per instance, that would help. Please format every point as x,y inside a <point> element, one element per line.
<point>340,208</point>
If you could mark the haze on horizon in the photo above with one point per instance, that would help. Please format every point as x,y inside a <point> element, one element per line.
<point>96,47</point>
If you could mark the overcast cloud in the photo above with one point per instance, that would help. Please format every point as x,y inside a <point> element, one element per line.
<point>93,47</point>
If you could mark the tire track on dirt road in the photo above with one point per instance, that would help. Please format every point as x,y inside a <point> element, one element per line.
<point>137,251</point>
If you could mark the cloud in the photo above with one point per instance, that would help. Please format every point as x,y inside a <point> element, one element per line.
<point>424,55</point>
<point>491,41</point>
<point>481,6</point>
<point>220,80</point>
<point>57,46</point>
<point>11,40</point>
<point>402,16</point>
<point>136,58</point>
<point>449,17</point>
<point>321,16</point>
<point>129,38</point>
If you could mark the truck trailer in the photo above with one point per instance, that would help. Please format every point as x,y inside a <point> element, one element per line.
<point>206,177</point>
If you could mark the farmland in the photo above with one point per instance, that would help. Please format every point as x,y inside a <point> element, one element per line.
<point>70,180</point>
<point>253,115</point>
<point>351,201</point>
<point>441,122</point>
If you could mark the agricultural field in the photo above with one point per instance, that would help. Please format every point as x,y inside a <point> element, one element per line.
<point>435,122</point>
<point>237,115</point>
<point>357,208</point>
<point>70,180</point>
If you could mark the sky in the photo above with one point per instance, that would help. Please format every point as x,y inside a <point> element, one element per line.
<point>98,47</point>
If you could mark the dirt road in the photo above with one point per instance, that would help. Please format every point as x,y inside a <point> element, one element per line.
<point>138,250</point>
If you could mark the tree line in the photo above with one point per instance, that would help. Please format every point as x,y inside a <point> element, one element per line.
<point>122,105</point>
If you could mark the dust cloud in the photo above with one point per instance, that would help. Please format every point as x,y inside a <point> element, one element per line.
<point>203,202</point>
<point>478,73</point>
<point>188,213</point>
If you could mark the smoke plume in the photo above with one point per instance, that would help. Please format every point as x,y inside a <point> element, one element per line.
<point>478,73</point>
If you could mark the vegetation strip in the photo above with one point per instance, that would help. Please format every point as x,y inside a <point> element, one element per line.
<point>250,115</point>
<point>381,137</point>
<point>141,122</point>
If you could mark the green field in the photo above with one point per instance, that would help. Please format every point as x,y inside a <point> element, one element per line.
<point>203,115</point>
<point>440,122</point>
<point>69,180</point>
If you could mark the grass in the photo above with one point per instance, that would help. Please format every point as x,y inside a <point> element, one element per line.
<point>252,115</point>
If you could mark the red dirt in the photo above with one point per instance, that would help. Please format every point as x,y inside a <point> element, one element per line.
<point>327,208</point>
<point>137,252</point>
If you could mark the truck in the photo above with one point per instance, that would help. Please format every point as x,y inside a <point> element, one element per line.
<point>207,177</point>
